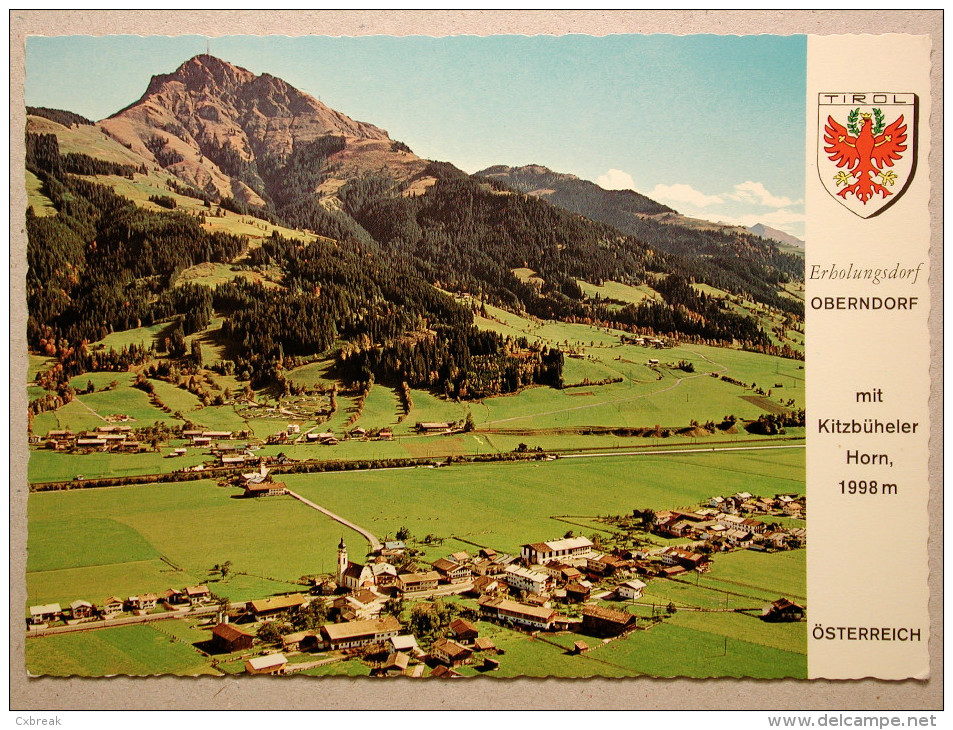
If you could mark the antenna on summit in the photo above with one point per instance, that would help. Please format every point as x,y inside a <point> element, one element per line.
<point>208,45</point>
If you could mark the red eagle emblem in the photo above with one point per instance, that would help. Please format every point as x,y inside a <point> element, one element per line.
<point>867,151</point>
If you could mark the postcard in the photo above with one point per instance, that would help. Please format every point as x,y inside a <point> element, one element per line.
<point>497,355</point>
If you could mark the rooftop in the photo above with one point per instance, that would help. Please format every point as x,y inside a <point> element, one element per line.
<point>355,629</point>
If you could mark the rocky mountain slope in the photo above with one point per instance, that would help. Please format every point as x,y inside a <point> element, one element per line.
<point>220,128</point>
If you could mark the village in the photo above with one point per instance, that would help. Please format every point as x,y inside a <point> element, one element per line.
<point>399,617</point>
<point>226,448</point>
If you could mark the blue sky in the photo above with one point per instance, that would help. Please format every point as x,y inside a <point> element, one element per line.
<point>711,125</point>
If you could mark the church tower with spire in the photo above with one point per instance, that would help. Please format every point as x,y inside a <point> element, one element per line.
<point>342,561</point>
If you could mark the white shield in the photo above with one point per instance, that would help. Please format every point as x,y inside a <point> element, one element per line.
<point>852,163</point>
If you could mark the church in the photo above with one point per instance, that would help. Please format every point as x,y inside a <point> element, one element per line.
<point>368,576</point>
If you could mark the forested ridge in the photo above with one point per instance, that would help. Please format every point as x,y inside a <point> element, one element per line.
<point>103,264</point>
<point>370,295</point>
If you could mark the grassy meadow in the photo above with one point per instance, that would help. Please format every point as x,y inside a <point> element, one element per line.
<point>118,537</point>
<point>141,650</point>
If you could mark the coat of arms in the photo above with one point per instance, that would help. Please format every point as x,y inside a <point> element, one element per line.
<point>867,148</point>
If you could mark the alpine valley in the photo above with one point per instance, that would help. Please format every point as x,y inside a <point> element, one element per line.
<point>229,261</point>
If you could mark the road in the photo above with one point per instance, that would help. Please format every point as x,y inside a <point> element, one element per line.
<point>368,535</point>
<point>655,452</point>
<point>132,620</point>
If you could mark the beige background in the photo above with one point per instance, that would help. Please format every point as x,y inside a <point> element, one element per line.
<point>866,555</point>
<point>334,693</point>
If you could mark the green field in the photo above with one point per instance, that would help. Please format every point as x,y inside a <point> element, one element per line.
<point>42,205</point>
<point>505,505</point>
<point>618,291</point>
<point>134,650</point>
<point>194,525</point>
<point>647,396</point>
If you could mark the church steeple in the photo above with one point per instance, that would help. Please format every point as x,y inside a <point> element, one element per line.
<point>342,561</point>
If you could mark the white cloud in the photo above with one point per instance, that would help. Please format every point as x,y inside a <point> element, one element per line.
<point>682,193</point>
<point>755,192</point>
<point>737,206</point>
<point>616,180</point>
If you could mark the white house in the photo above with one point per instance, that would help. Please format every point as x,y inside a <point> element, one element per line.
<point>524,579</point>
<point>538,553</point>
<point>630,590</point>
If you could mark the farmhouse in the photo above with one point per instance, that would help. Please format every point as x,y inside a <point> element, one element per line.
<point>174,597</point>
<point>571,547</point>
<point>450,653</point>
<point>112,606</point>
<point>299,640</point>
<point>218,435</point>
<point>463,631</point>
<point>417,582</point>
<point>82,609</point>
<point>227,638</point>
<point>265,489</point>
<point>360,605</point>
<point>406,643</point>
<point>524,579</point>
<point>608,565</point>
<point>235,460</point>
<point>145,602</point>
<point>603,622</point>
<point>396,664</point>
<point>97,444</point>
<point>630,590</point>
<point>46,613</point>
<point>783,610</point>
<point>685,558</point>
<point>575,592</point>
<point>520,614</point>
<point>484,644</point>
<point>268,664</point>
<point>485,584</point>
<point>445,672</point>
<point>359,633</point>
<point>265,607</point>
<point>451,571</point>
<point>198,594</point>
<point>432,427</point>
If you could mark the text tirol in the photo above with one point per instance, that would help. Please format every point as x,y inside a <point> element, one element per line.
<point>866,98</point>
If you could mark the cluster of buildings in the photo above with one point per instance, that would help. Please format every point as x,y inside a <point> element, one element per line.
<point>111,437</point>
<point>377,640</point>
<point>727,523</point>
<point>80,610</point>
<point>328,438</point>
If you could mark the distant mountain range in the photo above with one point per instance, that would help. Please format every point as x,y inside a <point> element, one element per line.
<point>638,215</point>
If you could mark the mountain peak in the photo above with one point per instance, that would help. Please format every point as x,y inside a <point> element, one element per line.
<point>202,72</point>
<point>210,122</point>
